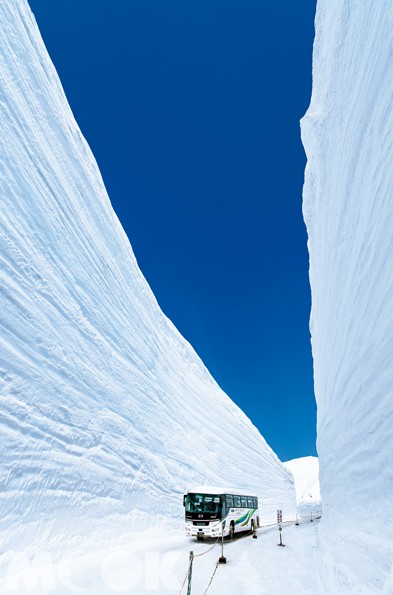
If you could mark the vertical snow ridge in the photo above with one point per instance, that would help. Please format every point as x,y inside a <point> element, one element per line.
<point>107,413</point>
<point>348,210</point>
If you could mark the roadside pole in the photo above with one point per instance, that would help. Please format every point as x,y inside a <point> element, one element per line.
<point>190,573</point>
<point>279,523</point>
<point>222,559</point>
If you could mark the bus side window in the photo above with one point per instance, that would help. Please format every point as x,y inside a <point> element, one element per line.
<point>250,503</point>
<point>256,502</point>
<point>229,502</point>
<point>237,501</point>
<point>244,502</point>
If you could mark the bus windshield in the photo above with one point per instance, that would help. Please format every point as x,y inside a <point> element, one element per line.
<point>203,503</point>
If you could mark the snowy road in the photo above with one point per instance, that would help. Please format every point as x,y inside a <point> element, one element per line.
<point>260,567</point>
<point>157,563</point>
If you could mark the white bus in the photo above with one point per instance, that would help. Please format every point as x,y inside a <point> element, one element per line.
<point>210,510</point>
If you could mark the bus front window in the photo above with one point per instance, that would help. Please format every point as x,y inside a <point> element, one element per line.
<point>203,503</point>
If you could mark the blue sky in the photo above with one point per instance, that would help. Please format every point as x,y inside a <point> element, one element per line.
<point>192,110</point>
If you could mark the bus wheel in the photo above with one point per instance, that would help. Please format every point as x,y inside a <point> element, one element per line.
<point>231,531</point>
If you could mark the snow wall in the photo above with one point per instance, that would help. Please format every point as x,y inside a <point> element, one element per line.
<point>305,473</point>
<point>107,413</point>
<point>348,209</point>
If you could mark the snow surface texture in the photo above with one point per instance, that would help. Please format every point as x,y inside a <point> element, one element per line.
<point>305,473</point>
<point>107,413</point>
<point>157,562</point>
<point>348,209</point>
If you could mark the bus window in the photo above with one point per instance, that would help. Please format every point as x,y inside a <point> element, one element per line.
<point>237,501</point>
<point>255,502</point>
<point>229,500</point>
<point>244,502</point>
<point>250,503</point>
<point>203,503</point>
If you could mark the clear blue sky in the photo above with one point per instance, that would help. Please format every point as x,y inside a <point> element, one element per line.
<point>192,110</point>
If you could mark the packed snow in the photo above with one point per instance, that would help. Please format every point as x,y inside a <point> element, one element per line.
<point>158,562</point>
<point>107,413</point>
<point>305,473</point>
<point>348,209</point>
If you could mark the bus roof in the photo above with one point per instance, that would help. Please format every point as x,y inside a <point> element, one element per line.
<point>220,490</point>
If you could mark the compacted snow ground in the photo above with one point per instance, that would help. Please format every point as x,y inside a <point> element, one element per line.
<point>157,562</point>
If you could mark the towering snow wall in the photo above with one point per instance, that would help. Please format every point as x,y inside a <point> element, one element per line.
<point>107,413</point>
<point>348,209</point>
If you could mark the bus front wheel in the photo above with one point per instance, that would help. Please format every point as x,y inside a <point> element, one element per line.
<point>231,531</point>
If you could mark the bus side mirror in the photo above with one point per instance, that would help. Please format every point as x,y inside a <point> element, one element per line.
<point>184,500</point>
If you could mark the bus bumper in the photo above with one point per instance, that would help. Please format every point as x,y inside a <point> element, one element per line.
<point>205,531</point>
